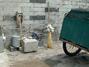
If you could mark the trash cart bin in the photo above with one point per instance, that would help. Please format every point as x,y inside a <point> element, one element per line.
<point>75,31</point>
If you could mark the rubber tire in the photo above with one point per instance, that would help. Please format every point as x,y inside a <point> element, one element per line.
<point>68,53</point>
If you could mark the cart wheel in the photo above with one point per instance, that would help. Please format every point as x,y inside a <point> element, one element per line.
<point>70,50</point>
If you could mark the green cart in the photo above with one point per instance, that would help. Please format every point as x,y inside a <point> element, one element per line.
<point>75,32</point>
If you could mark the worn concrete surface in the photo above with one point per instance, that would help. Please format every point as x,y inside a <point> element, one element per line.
<point>44,57</point>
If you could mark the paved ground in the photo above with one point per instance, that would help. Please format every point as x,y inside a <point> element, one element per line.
<point>48,58</point>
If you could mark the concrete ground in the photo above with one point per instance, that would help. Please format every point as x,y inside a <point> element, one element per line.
<point>44,57</point>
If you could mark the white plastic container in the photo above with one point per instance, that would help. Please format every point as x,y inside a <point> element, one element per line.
<point>30,45</point>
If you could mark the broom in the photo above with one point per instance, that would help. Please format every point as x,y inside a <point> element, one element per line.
<point>49,42</point>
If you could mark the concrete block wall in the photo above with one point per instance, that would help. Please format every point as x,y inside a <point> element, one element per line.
<point>8,10</point>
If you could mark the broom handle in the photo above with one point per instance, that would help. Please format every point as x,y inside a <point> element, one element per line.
<point>48,13</point>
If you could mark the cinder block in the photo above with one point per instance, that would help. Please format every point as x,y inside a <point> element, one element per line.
<point>53,14</point>
<point>33,13</point>
<point>12,8</point>
<point>1,18</point>
<point>34,24</point>
<point>35,5</point>
<point>27,15</point>
<point>14,1</point>
<point>54,5</point>
<point>40,5</point>
<point>54,1</point>
<point>27,22</point>
<point>1,11</point>
<point>37,17</point>
<point>8,23</point>
<point>67,2</point>
<point>32,9</point>
<point>25,5</point>
<point>37,1</point>
<point>65,8</point>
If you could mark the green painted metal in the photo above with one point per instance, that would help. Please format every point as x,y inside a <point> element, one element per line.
<point>75,28</point>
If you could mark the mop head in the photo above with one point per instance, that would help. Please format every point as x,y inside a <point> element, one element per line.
<point>50,28</point>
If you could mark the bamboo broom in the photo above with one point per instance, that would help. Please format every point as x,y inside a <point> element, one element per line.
<point>49,42</point>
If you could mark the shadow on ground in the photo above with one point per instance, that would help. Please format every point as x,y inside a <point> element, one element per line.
<point>61,60</point>
<point>81,60</point>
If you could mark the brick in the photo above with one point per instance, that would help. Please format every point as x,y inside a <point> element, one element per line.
<point>35,5</point>
<point>33,13</point>
<point>14,1</point>
<point>51,9</point>
<point>37,1</point>
<point>54,1</point>
<point>32,9</point>
<point>37,17</point>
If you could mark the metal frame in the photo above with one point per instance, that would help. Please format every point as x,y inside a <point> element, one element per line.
<point>76,45</point>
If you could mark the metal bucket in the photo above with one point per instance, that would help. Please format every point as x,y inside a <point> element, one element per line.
<point>15,41</point>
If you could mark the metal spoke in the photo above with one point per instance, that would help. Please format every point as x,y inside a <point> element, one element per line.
<point>71,48</point>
